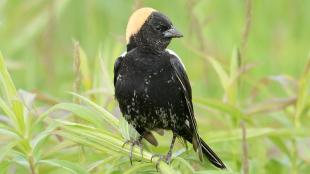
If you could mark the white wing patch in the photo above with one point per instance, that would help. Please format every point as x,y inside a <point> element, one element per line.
<point>124,54</point>
<point>175,54</point>
<point>169,51</point>
<point>187,123</point>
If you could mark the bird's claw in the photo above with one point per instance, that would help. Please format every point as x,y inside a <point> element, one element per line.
<point>164,158</point>
<point>134,143</point>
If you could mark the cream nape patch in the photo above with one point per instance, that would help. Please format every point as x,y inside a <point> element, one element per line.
<point>136,20</point>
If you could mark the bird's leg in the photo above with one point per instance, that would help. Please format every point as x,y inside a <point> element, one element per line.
<point>169,154</point>
<point>167,157</point>
<point>133,143</point>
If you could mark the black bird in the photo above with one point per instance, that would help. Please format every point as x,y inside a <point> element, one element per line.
<point>152,87</point>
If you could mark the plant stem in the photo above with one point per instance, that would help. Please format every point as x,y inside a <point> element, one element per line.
<point>77,69</point>
<point>244,149</point>
<point>247,26</point>
<point>32,165</point>
<point>295,157</point>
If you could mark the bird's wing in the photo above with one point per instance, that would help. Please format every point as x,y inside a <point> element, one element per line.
<point>146,134</point>
<point>117,65</point>
<point>198,143</point>
<point>180,73</point>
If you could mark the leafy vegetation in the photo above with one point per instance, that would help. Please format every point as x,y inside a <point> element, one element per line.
<point>248,61</point>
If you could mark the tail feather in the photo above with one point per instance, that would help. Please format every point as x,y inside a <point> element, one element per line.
<point>203,149</point>
<point>212,157</point>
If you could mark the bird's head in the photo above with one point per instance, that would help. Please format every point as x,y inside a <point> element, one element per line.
<point>150,29</point>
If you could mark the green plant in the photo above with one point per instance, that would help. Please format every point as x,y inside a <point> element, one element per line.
<point>251,107</point>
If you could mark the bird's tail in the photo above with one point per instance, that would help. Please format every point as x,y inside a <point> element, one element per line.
<point>212,157</point>
<point>203,149</point>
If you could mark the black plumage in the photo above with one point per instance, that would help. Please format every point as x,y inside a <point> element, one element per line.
<point>152,87</point>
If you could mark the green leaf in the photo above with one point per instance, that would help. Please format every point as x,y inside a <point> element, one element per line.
<point>302,96</point>
<point>27,98</point>
<point>20,159</point>
<point>140,167</point>
<point>65,144</point>
<point>216,172</point>
<point>6,81</point>
<point>236,134</point>
<point>224,78</point>
<point>288,83</point>
<point>222,107</point>
<point>18,108</point>
<point>11,95</point>
<point>127,130</point>
<point>85,72</point>
<point>8,111</point>
<point>234,65</point>
<point>36,142</point>
<point>272,105</point>
<point>165,169</point>
<point>9,133</point>
<point>107,116</point>
<point>182,165</point>
<point>281,144</point>
<point>96,164</point>
<point>106,140</point>
<point>6,150</point>
<point>67,165</point>
<point>4,166</point>
<point>79,110</point>
<point>103,141</point>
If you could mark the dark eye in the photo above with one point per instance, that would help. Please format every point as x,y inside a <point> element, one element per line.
<point>161,28</point>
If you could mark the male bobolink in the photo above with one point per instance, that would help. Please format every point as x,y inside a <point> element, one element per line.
<point>152,87</point>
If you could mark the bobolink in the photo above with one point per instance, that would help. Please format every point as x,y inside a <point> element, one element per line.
<point>152,87</point>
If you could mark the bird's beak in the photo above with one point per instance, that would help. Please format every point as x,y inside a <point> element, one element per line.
<point>172,33</point>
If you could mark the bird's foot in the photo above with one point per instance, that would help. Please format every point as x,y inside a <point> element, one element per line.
<point>134,143</point>
<point>165,158</point>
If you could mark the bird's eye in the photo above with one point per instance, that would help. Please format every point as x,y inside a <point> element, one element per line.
<point>161,28</point>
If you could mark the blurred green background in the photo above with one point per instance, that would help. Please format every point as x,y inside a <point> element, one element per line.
<point>271,90</point>
<point>37,37</point>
